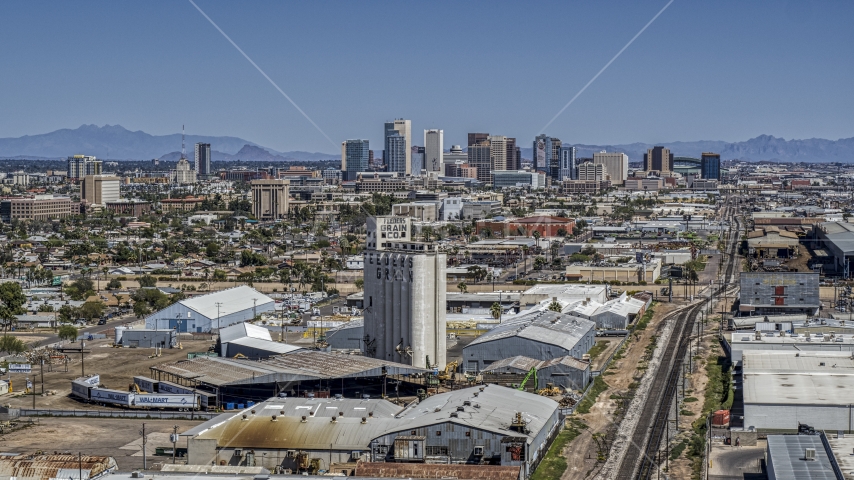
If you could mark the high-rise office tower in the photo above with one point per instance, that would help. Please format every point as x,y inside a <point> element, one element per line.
<point>568,163</point>
<point>417,159</point>
<point>617,165</point>
<point>183,173</point>
<point>100,189</point>
<point>514,159</point>
<point>658,159</point>
<point>434,150</point>
<point>480,157</point>
<point>397,155</point>
<point>710,166</point>
<point>403,128</point>
<point>405,295</point>
<point>498,152</point>
<point>355,158</point>
<point>592,171</point>
<point>270,199</point>
<point>202,161</point>
<point>475,138</point>
<point>81,165</point>
<point>547,155</point>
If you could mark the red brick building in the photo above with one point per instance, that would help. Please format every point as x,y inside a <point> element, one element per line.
<point>547,225</point>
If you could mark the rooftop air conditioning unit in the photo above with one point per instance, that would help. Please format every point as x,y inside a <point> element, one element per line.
<point>809,454</point>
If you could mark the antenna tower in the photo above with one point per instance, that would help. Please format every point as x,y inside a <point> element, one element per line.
<point>183,149</point>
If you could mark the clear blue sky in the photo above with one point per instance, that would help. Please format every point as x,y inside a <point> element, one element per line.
<point>722,70</point>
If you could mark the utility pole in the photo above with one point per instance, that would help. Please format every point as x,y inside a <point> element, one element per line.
<point>144,457</point>
<point>82,365</point>
<point>218,304</point>
<point>174,442</point>
<point>80,465</point>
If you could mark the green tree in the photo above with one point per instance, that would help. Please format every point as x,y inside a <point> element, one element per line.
<point>147,281</point>
<point>67,314</point>
<point>141,309</point>
<point>495,310</point>
<point>68,332</point>
<point>114,284</point>
<point>212,250</point>
<point>12,345</point>
<point>45,307</point>
<point>80,289</point>
<point>463,287</point>
<point>92,310</point>
<point>360,283</point>
<point>555,306</point>
<point>219,275</point>
<point>12,299</point>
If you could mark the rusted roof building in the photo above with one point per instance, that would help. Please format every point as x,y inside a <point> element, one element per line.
<point>43,467</point>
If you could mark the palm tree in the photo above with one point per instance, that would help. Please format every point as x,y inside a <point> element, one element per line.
<point>495,310</point>
<point>463,287</point>
<point>555,306</point>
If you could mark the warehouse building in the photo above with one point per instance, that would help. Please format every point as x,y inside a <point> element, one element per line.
<point>567,372</point>
<point>146,338</point>
<point>59,466</point>
<point>614,314</point>
<point>250,341</point>
<point>564,293</point>
<point>779,293</point>
<point>347,335</point>
<point>786,458</point>
<point>782,390</point>
<point>541,335</point>
<point>487,425</point>
<point>836,238</point>
<point>213,311</point>
<point>742,342</point>
<point>235,380</point>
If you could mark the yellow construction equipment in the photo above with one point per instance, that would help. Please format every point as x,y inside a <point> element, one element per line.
<point>550,391</point>
<point>134,388</point>
<point>449,371</point>
<point>240,355</point>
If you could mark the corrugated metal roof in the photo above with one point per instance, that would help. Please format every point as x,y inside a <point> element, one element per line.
<point>543,326</point>
<point>518,362</point>
<point>295,366</point>
<point>266,345</point>
<point>787,458</point>
<point>231,300</point>
<point>492,409</point>
<point>423,470</point>
<point>798,377</point>
<point>40,467</point>
<point>244,329</point>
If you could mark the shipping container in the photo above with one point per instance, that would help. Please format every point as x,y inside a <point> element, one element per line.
<point>80,389</point>
<point>721,418</point>
<point>116,397</point>
<point>206,399</point>
<point>146,384</point>
<point>162,400</point>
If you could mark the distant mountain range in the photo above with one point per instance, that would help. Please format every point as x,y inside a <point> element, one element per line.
<point>114,142</point>
<point>763,147</point>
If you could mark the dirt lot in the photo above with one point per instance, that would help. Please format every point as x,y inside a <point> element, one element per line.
<point>119,438</point>
<point>116,366</point>
<point>583,455</point>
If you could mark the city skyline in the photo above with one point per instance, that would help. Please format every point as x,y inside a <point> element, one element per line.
<point>762,58</point>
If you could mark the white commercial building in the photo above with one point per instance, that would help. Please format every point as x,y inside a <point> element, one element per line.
<point>404,300</point>
<point>434,151</point>
<point>783,389</point>
<point>617,165</point>
<point>213,311</point>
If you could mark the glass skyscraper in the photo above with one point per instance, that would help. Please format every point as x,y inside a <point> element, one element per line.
<point>710,166</point>
<point>355,155</point>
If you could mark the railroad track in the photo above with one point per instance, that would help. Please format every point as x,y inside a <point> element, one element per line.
<point>640,461</point>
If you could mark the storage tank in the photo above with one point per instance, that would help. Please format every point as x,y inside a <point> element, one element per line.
<point>119,331</point>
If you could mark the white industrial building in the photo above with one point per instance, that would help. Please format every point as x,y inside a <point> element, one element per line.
<point>541,335</point>
<point>783,389</point>
<point>213,311</point>
<point>250,341</point>
<point>742,342</point>
<point>404,300</point>
<point>564,293</point>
